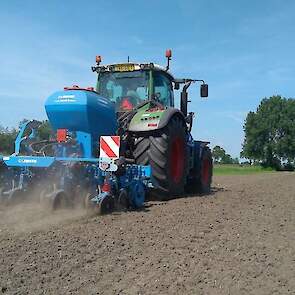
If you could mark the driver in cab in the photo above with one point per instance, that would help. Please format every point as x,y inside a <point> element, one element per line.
<point>131,99</point>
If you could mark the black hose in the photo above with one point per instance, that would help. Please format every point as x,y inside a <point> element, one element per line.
<point>45,144</point>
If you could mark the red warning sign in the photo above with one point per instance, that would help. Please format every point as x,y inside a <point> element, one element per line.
<point>109,147</point>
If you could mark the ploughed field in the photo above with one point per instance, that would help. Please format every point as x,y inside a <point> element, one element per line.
<point>238,240</point>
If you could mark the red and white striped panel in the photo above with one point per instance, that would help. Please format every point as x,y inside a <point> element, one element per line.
<point>109,147</point>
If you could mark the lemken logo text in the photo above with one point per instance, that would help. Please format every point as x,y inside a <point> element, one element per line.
<point>27,161</point>
<point>66,98</point>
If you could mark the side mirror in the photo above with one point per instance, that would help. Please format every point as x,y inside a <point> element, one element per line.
<point>204,90</point>
<point>176,86</point>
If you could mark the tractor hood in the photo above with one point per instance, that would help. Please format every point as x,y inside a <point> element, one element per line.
<point>149,117</point>
<point>81,110</point>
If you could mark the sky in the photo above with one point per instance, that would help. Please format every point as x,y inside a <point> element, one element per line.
<point>245,50</point>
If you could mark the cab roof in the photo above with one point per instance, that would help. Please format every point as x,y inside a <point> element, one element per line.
<point>123,67</point>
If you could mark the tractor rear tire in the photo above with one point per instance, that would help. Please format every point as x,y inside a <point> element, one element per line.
<point>166,151</point>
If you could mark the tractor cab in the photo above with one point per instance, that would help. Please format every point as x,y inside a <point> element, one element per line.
<point>129,85</point>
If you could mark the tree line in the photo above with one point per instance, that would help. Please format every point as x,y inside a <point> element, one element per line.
<point>220,156</point>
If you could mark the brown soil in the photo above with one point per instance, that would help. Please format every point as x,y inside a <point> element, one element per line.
<point>238,240</point>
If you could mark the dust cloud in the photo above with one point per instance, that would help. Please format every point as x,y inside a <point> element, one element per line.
<point>32,216</point>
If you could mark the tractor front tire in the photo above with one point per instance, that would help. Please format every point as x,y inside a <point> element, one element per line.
<point>201,175</point>
<point>165,150</point>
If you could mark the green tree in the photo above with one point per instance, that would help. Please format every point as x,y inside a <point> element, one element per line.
<point>227,159</point>
<point>7,138</point>
<point>270,132</point>
<point>221,157</point>
<point>218,153</point>
<point>45,130</point>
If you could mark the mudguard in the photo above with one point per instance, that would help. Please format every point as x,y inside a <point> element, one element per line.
<point>148,119</point>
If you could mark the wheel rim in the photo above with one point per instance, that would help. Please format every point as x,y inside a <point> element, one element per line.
<point>177,159</point>
<point>205,171</point>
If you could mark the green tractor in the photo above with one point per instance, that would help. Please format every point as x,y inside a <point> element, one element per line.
<point>153,132</point>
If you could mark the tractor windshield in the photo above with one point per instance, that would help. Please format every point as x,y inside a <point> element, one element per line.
<point>125,89</point>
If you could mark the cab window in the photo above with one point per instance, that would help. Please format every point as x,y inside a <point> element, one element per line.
<point>163,89</point>
<point>125,89</point>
